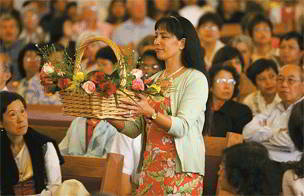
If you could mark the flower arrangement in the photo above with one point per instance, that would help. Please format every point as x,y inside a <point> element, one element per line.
<point>124,77</point>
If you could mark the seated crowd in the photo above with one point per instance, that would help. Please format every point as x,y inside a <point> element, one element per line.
<point>255,87</point>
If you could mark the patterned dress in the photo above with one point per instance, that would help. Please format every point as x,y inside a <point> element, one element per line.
<point>158,175</point>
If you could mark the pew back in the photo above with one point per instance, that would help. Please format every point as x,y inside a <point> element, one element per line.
<point>97,174</point>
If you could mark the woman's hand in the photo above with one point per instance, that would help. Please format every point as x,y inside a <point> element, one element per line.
<point>139,108</point>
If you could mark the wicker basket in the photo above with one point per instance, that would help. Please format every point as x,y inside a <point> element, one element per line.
<point>95,106</point>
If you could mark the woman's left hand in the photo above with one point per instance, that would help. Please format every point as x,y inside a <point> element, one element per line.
<point>139,108</point>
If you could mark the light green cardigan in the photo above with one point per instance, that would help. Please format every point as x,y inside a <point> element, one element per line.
<point>188,105</point>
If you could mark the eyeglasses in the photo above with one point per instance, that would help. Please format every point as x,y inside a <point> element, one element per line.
<point>210,28</point>
<point>290,81</point>
<point>224,80</point>
<point>30,58</point>
<point>156,67</point>
<point>266,29</point>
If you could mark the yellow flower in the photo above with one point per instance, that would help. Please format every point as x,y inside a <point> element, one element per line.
<point>155,87</point>
<point>79,77</point>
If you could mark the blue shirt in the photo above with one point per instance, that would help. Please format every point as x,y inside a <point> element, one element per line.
<point>129,32</point>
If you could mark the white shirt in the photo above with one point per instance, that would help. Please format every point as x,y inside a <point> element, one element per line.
<point>256,102</point>
<point>218,45</point>
<point>52,166</point>
<point>271,129</point>
<point>4,89</point>
<point>130,148</point>
<point>292,184</point>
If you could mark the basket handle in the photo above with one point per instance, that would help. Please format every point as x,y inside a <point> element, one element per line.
<point>80,50</point>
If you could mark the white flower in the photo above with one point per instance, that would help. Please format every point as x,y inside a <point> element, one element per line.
<point>60,73</point>
<point>89,87</point>
<point>170,172</point>
<point>137,73</point>
<point>170,163</point>
<point>48,68</point>
<point>165,140</point>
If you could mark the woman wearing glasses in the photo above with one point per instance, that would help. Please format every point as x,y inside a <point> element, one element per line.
<point>29,61</point>
<point>227,115</point>
<point>151,64</point>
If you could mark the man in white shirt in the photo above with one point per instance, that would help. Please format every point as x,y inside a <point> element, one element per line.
<point>130,148</point>
<point>5,73</point>
<point>270,127</point>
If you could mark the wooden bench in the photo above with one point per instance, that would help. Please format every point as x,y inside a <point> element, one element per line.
<point>96,174</point>
<point>213,156</point>
<point>49,120</point>
<point>231,139</point>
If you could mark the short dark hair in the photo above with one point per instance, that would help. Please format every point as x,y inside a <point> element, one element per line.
<point>259,18</point>
<point>227,53</point>
<point>259,66</point>
<point>211,17</point>
<point>294,35</point>
<point>6,98</point>
<point>106,53</point>
<point>219,67</point>
<point>11,16</point>
<point>28,47</point>
<point>248,175</point>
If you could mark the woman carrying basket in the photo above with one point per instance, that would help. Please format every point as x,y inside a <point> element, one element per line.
<point>173,151</point>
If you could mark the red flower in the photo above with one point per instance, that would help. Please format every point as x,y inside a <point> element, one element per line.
<point>63,83</point>
<point>98,77</point>
<point>148,81</point>
<point>108,87</point>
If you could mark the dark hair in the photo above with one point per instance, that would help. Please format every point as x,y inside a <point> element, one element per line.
<point>227,53</point>
<point>70,4</point>
<point>26,3</point>
<point>294,35</point>
<point>6,98</point>
<point>296,133</point>
<point>11,16</point>
<point>217,68</point>
<point>57,30</point>
<point>246,168</point>
<point>28,47</point>
<point>113,19</point>
<point>211,17</point>
<point>260,66</point>
<point>259,18</point>
<point>152,53</point>
<point>106,53</point>
<point>183,28</point>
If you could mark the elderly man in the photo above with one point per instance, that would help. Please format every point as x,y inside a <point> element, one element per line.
<point>10,28</point>
<point>270,127</point>
<point>133,30</point>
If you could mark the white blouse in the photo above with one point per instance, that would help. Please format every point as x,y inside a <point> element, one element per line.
<point>53,173</point>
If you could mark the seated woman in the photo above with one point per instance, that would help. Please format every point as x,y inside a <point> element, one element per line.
<point>231,56</point>
<point>263,73</point>
<point>30,162</point>
<point>293,179</point>
<point>247,170</point>
<point>30,88</point>
<point>151,64</point>
<point>227,115</point>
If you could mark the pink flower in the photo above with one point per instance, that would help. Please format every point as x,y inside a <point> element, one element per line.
<point>89,87</point>
<point>48,68</point>
<point>137,73</point>
<point>138,84</point>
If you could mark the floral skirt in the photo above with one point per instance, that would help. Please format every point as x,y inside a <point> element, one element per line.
<point>158,175</point>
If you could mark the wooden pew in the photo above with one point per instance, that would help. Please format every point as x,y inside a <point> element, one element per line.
<point>213,156</point>
<point>49,120</point>
<point>231,139</point>
<point>97,174</point>
<point>214,147</point>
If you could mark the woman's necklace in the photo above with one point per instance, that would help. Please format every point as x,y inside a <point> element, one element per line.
<point>171,75</point>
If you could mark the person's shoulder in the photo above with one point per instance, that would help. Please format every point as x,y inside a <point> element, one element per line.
<point>237,107</point>
<point>193,74</point>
